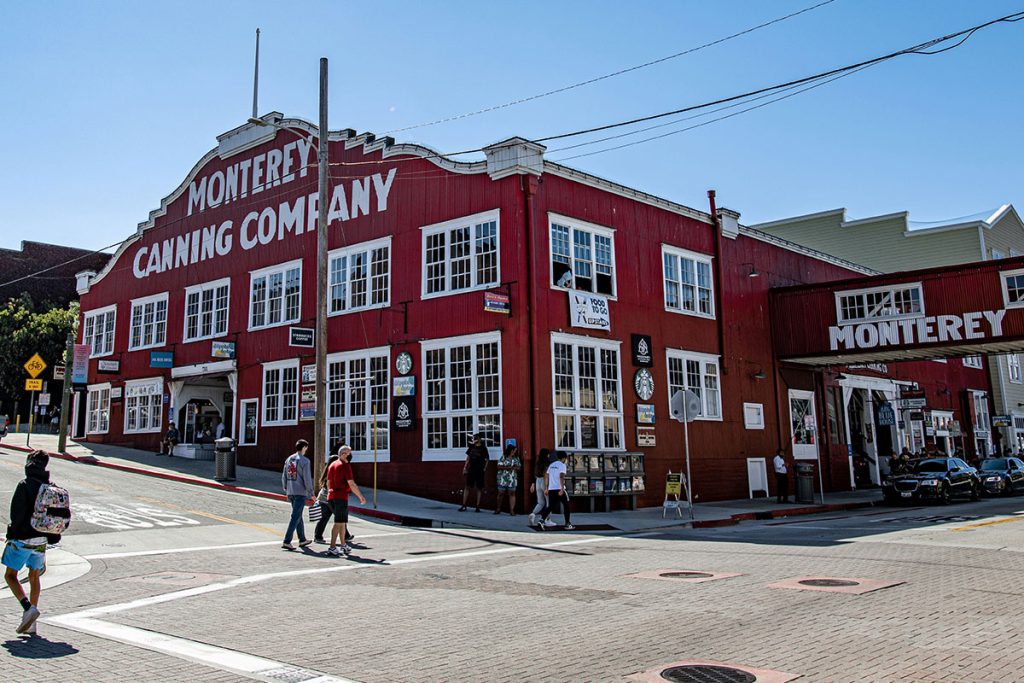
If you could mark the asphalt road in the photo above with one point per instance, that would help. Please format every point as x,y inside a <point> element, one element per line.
<point>188,582</point>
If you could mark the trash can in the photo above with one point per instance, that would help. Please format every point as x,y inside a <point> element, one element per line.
<point>804,482</point>
<point>224,459</point>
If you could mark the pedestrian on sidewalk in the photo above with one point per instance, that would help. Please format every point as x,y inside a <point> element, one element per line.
<point>540,468</point>
<point>475,470</point>
<point>30,531</point>
<point>340,483</point>
<point>558,498</point>
<point>297,482</point>
<point>781,477</point>
<point>171,440</point>
<point>508,478</point>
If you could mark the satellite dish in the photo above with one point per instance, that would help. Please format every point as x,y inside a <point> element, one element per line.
<point>685,406</point>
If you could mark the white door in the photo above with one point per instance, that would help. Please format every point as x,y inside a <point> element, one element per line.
<point>803,422</point>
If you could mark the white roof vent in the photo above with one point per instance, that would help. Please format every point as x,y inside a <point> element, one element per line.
<point>514,156</point>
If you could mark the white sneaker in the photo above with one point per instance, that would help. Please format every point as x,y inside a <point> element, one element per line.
<point>31,630</point>
<point>28,619</point>
<point>334,552</point>
<point>569,527</point>
<point>548,522</point>
<point>531,519</point>
<point>346,550</point>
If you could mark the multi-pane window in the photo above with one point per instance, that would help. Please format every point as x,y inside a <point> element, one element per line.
<point>981,416</point>
<point>880,303</point>
<point>149,322</point>
<point>582,256</point>
<point>98,331</point>
<point>461,255</point>
<point>98,410</point>
<point>280,392</point>
<point>697,372</point>
<point>688,283</point>
<point>587,395</point>
<point>461,393</point>
<point>357,401</point>
<point>1013,288</point>
<point>143,405</point>
<point>360,276</point>
<point>206,310</point>
<point>1013,365</point>
<point>972,362</point>
<point>275,295</point>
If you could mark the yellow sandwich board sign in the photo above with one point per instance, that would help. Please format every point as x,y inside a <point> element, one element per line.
<point>35,366</point>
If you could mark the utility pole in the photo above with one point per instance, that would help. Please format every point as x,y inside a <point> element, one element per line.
<point>320,430</point>
<point>65,398</point>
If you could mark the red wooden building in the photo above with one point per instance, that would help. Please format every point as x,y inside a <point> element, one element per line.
<point>512,296</point>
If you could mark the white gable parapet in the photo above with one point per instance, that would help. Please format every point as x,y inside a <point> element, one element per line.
<point>515,156</point>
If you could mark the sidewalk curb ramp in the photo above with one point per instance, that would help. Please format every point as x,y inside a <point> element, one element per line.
<point>406,520</point>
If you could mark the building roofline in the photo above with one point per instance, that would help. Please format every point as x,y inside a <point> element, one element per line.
<point>804,217</point>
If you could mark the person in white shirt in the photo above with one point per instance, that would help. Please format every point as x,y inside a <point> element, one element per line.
<point>554,483</point>
<point>218,432</point>
<point>781,477</point>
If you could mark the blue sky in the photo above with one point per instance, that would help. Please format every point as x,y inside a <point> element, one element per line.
<point>108,105</point>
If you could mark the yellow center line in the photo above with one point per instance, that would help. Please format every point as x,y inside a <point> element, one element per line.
<point>978,525</point>
<point>212,516</point>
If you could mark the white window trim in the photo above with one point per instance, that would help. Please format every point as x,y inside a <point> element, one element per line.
<point>1009,368</point>
<point>451,454</point>
<point>96,312</point>
<point>971,364</point>
<point>214,285</point>
<point>583,340</point>
<point>142,301</point>
<point>471,221</point>
<point>367,455</point>
<point>685,355</point>
<point>1006,292</point>
<point>88,406</point>
<point>873,290</point>
<point>759,407</point>
<point>124,399</point>
<point>594,228</point>
<point>368,247</point>
<point>279,364</point>
<point>241,416</point>
<point>694,256</point>
<point>283,268</point>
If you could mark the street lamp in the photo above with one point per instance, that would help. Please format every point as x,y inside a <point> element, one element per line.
<point>320,423</point>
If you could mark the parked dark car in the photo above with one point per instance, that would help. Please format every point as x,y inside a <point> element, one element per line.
<point>936,479</point>
<point>1002,475</point>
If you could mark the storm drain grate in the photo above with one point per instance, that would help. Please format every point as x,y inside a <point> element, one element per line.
<point>829,583</point>
<point>699,673</point>
<point>290,674</point>
<point>686,575</point>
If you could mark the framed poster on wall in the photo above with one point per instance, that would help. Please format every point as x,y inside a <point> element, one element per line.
<point>249,412</point>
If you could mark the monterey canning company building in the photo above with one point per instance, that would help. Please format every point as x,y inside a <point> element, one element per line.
<point>514,297</point>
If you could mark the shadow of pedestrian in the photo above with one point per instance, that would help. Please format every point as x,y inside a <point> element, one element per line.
<point>37,647</point>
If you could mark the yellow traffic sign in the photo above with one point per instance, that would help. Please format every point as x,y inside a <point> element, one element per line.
<point>33,385</point>
<point>35,366</point>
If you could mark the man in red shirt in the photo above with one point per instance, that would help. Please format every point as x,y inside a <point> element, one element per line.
<point>340,482</point>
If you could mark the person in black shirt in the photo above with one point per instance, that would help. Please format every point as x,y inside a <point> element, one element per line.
<point>170,440</point>
<point>475,469</point>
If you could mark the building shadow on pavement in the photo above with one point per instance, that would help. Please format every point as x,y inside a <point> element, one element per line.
<point>37,647</point>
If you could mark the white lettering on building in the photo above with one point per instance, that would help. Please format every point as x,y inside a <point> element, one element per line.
<point>924,330</point>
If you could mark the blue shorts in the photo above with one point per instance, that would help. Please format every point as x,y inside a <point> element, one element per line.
<point>17,555</point>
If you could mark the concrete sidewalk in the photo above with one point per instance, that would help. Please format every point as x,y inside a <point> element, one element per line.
<point>410,510</point>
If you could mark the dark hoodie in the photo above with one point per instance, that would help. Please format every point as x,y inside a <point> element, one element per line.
<point>23,504</point>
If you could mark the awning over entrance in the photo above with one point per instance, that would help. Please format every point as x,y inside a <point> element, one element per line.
<point>213,368</point>
<point>917,315</point>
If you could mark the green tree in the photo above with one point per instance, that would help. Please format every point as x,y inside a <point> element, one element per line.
<point>24,330</point>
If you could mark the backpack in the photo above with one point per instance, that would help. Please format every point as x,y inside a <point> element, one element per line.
<point>52,511</point>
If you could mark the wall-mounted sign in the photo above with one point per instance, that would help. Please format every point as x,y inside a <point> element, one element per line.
<point>59,372</point>
<point>307,402</point>
<point>589,310</point>
<point>109,366</point>
<point>643,382</point>
<point>645,437</point>
<point>645,413</point>
<point>219,349</point>
<point>1002,421</point>
<point>250,420</point>
<point>886,415</point>
<point>80,364</point>
<point>403,414</point>
<point>116,393</point>
<point>309,374</point>
<point>916,416</point>
<point>495,302</point>
<point>641,345</point>
<point>301,336</point>
<point>405,386</point>
<point>924,330</point>
<point>403,363</point>
<point>161,359</point>
<point>308,393</point>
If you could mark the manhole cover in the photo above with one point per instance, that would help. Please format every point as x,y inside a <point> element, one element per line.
<point>686,575</point>
<point>829,583</point>
<point>698,673</point>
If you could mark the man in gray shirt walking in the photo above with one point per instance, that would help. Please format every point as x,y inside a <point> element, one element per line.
<point>297,482</point>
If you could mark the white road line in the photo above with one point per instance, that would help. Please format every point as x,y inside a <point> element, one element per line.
<point>238,662</point>
<point>201,548</point>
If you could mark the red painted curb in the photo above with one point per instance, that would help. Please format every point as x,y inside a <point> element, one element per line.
<point>196,481</point>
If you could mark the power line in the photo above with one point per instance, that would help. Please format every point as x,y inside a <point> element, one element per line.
<point>596,79</point>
